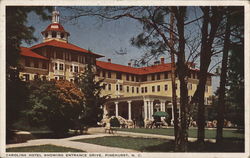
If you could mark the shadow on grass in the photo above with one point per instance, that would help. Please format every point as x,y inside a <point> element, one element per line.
<point>229,145</point>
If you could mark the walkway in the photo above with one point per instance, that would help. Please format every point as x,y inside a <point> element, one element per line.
<point>67,142</point>
<point>94,133</point>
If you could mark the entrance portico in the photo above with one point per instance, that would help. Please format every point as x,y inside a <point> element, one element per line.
<point>138,107</point>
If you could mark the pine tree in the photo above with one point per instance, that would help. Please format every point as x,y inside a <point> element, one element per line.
<point>93,101</point>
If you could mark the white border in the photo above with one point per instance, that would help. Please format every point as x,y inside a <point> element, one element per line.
<point>125,3</point>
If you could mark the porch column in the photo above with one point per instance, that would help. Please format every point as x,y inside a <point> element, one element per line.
<point>151,104</point>
<point>129,110</point>
<point>145,110</point>
<point>172,119</point>
<point>163,108</point>
<point>105,111</point>
<point>116,109</point>
<point>179,112</point>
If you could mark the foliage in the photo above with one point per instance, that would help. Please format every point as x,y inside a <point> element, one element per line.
<point>235,92</point>
<point>92,100</point>
<point>114,122</point>
<point>17,31</point>
<point>56,104</point>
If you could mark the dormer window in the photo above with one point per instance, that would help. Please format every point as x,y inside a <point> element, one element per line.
<point>62,35</point>
<point>46,34</point>
<point>53,34</point>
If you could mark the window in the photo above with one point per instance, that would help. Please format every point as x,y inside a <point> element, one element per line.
<point>46,34</point>
<point>146,89</point>
<point>158,88</point>
<point>71,80</point>
<point>44,65</point>
<point>109,74</point>
<point>118,75</point>
<point>153,88</point>
<point>36,77</point>
<point>53,34</point>
<point>127,77</point>
<point>27,62</point>
<point>26,77</point>
<point>153,77</point>
<point>59,55</point>
<point>56,78</point>
<point>166,75</point>
<point>76,68</point>
<point>144,78</point>
<point>56,66</point>
<point>137,79</point>
<point>103,74</point>
<point>176,86</point>
<point>109,87</point>
<point>74,57</point>
<point>137,90</point>
<point>132,78</point>
<point>117,87</point>
<point>142,89</point>
<point>158,76</point>
<point>71,68</point>
<point>133,89</point>
<point>128,89</point>
<point>104,86</point>
<point>62,35</point>
<point>36,65</point>
<point>166,87</point>
<point>121,87</point>
<point>60,66</point>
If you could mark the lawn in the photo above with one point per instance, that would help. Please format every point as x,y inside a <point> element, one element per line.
<point>162,145</point>
<point>43,148</point>
<point>209,134</point>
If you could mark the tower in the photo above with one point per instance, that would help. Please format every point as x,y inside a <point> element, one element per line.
<point>55,30</point>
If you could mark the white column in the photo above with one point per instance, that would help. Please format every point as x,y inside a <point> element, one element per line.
<point>116,109</point>
<point>129,110</point>
<point>145,110</point>
<point>105,111</point>
<point>179,112</point>
<point>151,109</point>
<point>164,106</point>
<point>172,112</point>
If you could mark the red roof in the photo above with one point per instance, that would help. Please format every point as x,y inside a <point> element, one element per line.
<point>27,52</point>
<point>138,71</point>
<point>133,70</point>
<point>55,43</point>
<point>55,27</point>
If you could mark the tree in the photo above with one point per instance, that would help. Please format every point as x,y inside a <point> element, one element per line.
<point>16,33</point>
<point>56,104</point>
<point>92,101</point>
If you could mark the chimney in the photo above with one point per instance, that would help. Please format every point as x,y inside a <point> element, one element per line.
<point>129,64</point>
<point>109,60</point>
<point>162,60</point>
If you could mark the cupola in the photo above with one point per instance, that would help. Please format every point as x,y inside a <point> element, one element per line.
<point>55,30</point>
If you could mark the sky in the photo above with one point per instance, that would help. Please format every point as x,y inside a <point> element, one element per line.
<point>104,38</point>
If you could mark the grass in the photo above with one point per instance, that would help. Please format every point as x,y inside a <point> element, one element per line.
<point>43,148</point>
<point>209,134</point>
<point>163,145</point>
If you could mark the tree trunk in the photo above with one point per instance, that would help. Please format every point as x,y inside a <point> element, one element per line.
<point>223,76</point>
<point>174,101</point>
<point>182,73</point>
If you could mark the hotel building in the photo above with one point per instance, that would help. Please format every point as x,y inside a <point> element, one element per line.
<point>135,93</point>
